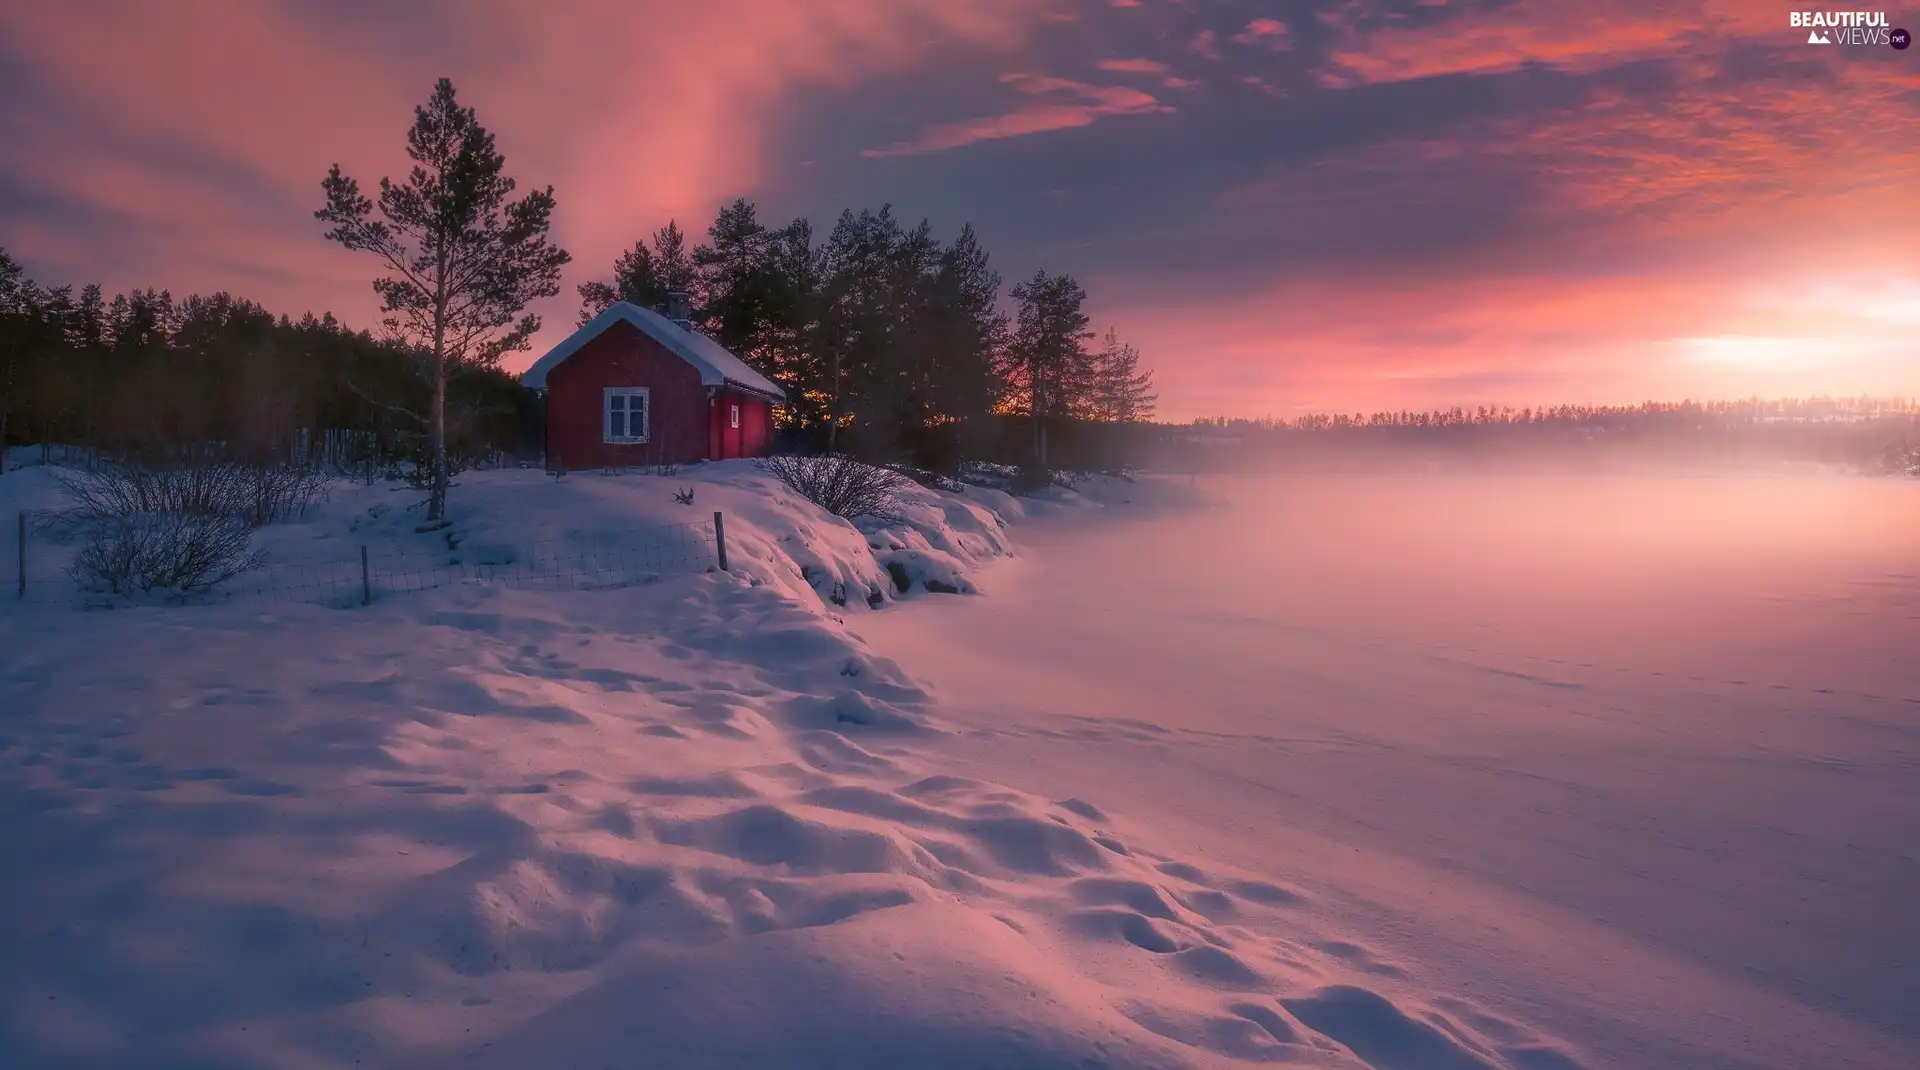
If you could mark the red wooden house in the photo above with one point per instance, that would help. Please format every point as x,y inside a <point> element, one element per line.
<point>635,387</point>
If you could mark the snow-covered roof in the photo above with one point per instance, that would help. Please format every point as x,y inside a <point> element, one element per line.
<point>716,366</point>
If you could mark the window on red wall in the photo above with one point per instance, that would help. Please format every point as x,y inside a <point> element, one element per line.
<point>625,414</point>
<point>733,416</point>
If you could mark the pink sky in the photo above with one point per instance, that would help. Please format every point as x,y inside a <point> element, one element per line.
<point>1325,204</point>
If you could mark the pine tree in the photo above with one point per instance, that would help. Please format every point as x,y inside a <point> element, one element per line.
<point>15,288</point>
<point>86,322</point>
<point>736,286</point>
<point>1122,390</point>
<point>795,267</point>
<point>465,261</point>
<point>1047,355</point>
<point>636,280</point>
<point>896,399</point>
<point>973,326</point>
<point>856,322</point>
<point>134,401</point>
<point>673,260</point>
<point>642,275</point>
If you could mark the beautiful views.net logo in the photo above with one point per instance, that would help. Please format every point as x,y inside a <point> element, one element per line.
<point>1847,28</point>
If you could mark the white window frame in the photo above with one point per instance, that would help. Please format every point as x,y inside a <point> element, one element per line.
<point>607,395</point>
<point>734,414</point>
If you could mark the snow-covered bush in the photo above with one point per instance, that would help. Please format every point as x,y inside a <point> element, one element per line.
<point>182,527</point>
<point>270,493</point>
<point>927,478</point>
<point>255,494</point>
<point>988,474</point>
<point>849,489</point>
<point>179,553</point>
<point>930,570</point>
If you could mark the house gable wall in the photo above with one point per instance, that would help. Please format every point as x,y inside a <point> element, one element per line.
<point>623,356</point>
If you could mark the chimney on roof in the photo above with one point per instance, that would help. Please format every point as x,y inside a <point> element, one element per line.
<point>677,311</point>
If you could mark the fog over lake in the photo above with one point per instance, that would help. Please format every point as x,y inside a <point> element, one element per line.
<point>1632,758</point>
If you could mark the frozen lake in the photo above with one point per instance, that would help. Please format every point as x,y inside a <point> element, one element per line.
<point>1635,760</point>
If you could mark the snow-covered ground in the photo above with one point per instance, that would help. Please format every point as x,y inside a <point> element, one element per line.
<point>1633,762</point>
<point>685,822</point>
<point>1409,775</point>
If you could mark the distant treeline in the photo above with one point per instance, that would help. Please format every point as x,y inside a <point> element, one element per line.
<point>142,372</point>
<point>1865,433</point>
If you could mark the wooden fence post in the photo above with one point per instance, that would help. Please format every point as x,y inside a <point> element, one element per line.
<point>22,592</point>
<point>366,582</point>
<point>720,538</point>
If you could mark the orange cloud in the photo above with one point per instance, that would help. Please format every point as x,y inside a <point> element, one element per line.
<point>1088,104</point>
<point>1267,33</point>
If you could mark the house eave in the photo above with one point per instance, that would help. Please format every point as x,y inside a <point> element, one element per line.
<point>735,384</point>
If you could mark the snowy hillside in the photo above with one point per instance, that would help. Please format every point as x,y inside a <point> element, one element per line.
<point>501,521</point>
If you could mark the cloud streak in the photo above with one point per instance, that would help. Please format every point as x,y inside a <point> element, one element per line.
<point>1134,66</point>
<point>1069,104</point>
<point>1578,38</point>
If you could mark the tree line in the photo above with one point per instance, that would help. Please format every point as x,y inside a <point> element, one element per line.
<point>1865,433</point>
<point>141,372</point>
<point>1705,412</point>
<point>890,342</point>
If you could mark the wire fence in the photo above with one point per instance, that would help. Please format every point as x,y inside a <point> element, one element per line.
<point>640,556</point>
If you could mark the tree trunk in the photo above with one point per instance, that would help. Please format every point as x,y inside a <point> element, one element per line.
<point>1033,415</point>
<point>1038,404</point>
<point>833,407</point>
<point>437,425</point>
